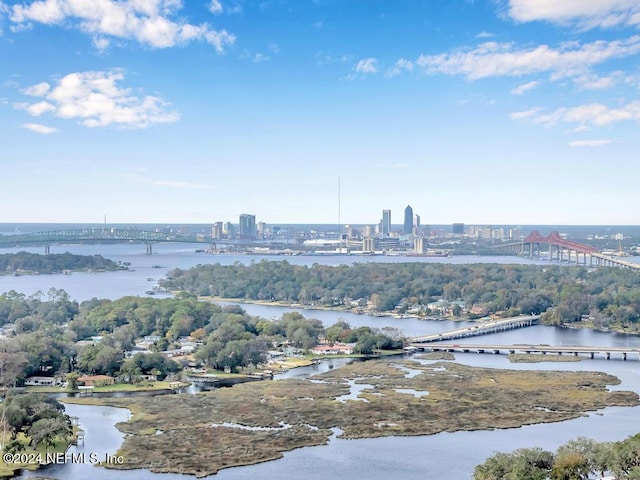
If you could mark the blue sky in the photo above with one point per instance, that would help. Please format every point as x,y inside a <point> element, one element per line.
<point>475,111</point>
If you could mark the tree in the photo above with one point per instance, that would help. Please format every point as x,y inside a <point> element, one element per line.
<point>46,430</point>
<point>570,466</point>
<point>597,455</point>
<point>522,464</point>
<point>72,380</point>
<point>626,455</point>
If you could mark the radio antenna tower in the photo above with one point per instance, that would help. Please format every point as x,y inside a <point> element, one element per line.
<point>339,222</point>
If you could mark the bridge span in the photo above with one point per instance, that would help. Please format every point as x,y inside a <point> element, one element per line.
<point>561,249</point>
<point>574,350</point>
<point>482,328</point>
<point>104,234</point>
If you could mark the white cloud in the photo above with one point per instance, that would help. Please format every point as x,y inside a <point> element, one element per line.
<point>43,129</point>
<point>586,13</point>
<point>589,143</point>
<point>37,90</point>
<point>101,44</point>
<point>588,115</point>
<point>399,67</point>
<point>260,57</point>
<point>595,82</point>
<point>96,100</point>
<point>215,7</point>
<point>36,109</point>
<point>525,87</point>
<point>525,114</point>
<point>319,24</point>
<point>485,35</point>
<point>149,22</point>
<point>367,65</point>
<point>325,59</point>
<point>493,59</point>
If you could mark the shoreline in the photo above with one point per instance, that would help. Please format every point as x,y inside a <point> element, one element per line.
<point>392,414</point>
<point>399,316</point>
<point>272,303</point>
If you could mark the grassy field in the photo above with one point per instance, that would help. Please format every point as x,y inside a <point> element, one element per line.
<point>118,387</point>
<point>180,432</point>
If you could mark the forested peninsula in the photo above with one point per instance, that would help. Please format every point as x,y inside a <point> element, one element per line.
<point>605,298</point>
<point>24,263</point>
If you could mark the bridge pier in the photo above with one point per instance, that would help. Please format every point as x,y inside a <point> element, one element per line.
<point>149,249</point>
<point>608,355</point>
<point>592,354</point>
<point>47,249</point>
<point>624,355</point>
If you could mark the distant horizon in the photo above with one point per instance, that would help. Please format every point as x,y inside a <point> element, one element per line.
<point>397,225</point>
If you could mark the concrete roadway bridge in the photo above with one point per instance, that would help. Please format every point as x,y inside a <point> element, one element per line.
<point>561,249</point>
<point>482,328</point>
<point>624,352</point>
<point>115,235</point>
<point>104,234</point>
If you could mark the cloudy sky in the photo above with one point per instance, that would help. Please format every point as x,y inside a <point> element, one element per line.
<point>475,111</point>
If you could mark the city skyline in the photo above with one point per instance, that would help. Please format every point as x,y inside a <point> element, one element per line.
<point>507,112</point>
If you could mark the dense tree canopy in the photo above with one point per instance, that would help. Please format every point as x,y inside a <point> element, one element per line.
<point>53,263</point>
<point>579,459</point>
<point>609,295</point>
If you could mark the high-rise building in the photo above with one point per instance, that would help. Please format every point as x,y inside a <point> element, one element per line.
<point>458,228</point>
<point>368,244</point>
<point>247,226</point>
<point>408,221</point>
<point>229,230</point>
<point>416,221</point>
<point>369,231</point>
<point>216,231</point>
<point>386,223</point>
<point>419,245</point>
<point>263,230</point>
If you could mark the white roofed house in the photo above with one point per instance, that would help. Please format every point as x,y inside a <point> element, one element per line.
<point>337,349</point>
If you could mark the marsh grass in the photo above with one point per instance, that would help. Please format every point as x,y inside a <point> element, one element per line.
<point>177,433</point>
<point>538,358</point>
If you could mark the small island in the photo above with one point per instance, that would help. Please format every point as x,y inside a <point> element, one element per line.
<point>25,263</point>
<point>257,422</point>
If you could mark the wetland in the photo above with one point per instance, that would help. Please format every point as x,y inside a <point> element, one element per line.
<point>256,422</point>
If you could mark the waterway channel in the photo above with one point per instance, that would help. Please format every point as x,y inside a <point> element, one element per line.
<point>446,455</point>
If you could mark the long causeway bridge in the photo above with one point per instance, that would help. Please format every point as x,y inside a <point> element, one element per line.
<point>482,328</point>
<point>561,249</point>
<point>575,350</point>
<point>98,234</point>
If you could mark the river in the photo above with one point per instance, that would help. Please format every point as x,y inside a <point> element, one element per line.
<point>446,455</point>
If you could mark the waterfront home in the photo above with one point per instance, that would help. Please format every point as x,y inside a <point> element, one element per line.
<point>40,381</point>
<point>276,355</point>
<point>337,349</point>
<point>443,307</point>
